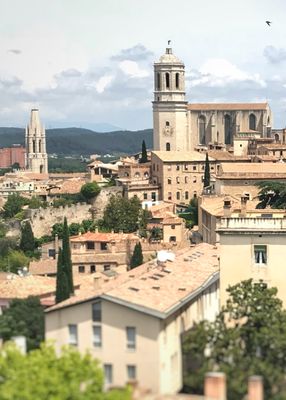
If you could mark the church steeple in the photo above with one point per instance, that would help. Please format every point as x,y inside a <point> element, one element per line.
<point>35,138</point>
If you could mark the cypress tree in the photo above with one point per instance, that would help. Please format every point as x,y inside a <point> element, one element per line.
<point>207,175</point>
<point>137,256</point>
<point>144,158</point>
<point>62,286</point>
<point>27,243</point>
<point>66,256</point>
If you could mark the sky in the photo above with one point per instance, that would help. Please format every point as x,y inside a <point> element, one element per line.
<point>90,62</point>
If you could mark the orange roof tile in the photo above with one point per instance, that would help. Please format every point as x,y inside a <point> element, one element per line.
<point>103,237</point>
<point>227,106</point>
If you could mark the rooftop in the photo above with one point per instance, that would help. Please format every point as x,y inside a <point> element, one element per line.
<point>252,171</point>
<point>227,106</point>
<point>43,267</point>
<point>103,237</point>
<point>157,289</point>
<point>181,156</point>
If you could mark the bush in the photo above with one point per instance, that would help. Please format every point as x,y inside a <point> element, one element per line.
<point>90,190</point>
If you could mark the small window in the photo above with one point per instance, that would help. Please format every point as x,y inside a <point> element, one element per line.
<point>194,167</point>
<point>96,311</point>
<point>186,167</point>
<point>168,147</point>
<point>177,167</point>
<point>145,196</point>
<point>158,81</point>
<point>73,339</point>
<point>260,254</point>
<point>194,179</point>
<point>169,181</point>
<point>108,374</point>
<point>186,195</point>
<point>178,195</point>
<point>178,179</point>
<point>153,196</point>
<point>92,269</point>
<point>167,123</point>
<point>131,372</point>
<point>169,196</point>
<point>97,340</point>
<point>90,245</point>
<point>172,239</point>
<point>167,80</point>
<point>173,226</point>
<point>103,246</point>
<point>52,253</point>
<point>177,80</point>
<point>81,269</point>
<point>131,337</point>
<point>106,267</point>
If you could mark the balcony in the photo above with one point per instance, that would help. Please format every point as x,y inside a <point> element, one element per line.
<point>252,224</point>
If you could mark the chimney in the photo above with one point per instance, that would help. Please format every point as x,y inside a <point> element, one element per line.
<point>255,388</point>
<point>96,281</point>
<point>215,386</point>
<point>243,201</point>
<point>227,207</point>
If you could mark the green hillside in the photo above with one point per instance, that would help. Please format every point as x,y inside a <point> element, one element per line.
<point>77,141</point>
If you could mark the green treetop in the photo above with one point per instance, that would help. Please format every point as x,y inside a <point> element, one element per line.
<point>13,205</point>
<point>27,242</point>
<point>144,157</point>
<point>62,284</point>
<point>90,190</point>
<point>66,256</point>
<point>137,256</point>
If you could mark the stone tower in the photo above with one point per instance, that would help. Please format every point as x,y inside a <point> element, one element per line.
<point>170,127</point>
<point>35,139</point>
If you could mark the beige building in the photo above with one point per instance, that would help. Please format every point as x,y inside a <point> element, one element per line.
<point>253,247</point>
<point>182,126</point>
<point>36,154</point>
<point>179,174</point>
<point>241,179</point>
<point>133,323</point>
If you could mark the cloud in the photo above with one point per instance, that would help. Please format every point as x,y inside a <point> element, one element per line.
<point>132,69</point>
<point>274,55</point>
<point>14,51</point>
<point>135,53</point>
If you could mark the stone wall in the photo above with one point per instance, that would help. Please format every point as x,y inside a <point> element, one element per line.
<point>102,199</point>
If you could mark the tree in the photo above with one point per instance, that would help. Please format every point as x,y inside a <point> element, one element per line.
<point>66,256</point>
<point>144,157</point>
<point>27,242</point>
<point>24,317</point>
<point>62,284</point>
<point>207,175</point>
<point>137,256</point>
<point>191,213</point>
<point>42,374</point>
<point>13,205</point>
<point>90,190</point>
<point>121,214</point>
<point>247,338</point>
<point>272,194</point>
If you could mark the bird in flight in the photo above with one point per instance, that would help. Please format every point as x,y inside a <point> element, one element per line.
<point>268,23</point>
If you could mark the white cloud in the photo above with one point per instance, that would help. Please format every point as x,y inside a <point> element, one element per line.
<point>103,82</point>
<point>132,69</point>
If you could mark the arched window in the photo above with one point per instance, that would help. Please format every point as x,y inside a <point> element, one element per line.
<point>252,122</point>
<point>40,146</point>
<point>168,146</point>
<point>169,181</point>
<point>167,80</point>
<point>186,195</point>
<point>186,179</point>
<point>202,129</point>
<point>158,81</point>
<point>276,137</point>
<point>177,80</point>
<point>34,146</point>
<point>137,174</point>
<point>178,179</point>
<point>227,130</point>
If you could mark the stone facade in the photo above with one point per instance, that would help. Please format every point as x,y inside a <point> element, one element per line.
<point>182,126</point>
<point>35,138</point>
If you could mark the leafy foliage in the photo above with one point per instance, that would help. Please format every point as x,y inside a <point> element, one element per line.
<point>121,214</point>
<point>272,194</point>
<point>27,242</point>
<point>66,256</point>
<point>137,256</point>
<point>41,374</point>
<point>207,175</point>
<point>247,338</point>
<point>13,205</point>
<point>35,202</point>
<point>24,317</point>
<point>144,157</point>
<point>62,284</point>
<point>90,190</point>
<point>191,213</point>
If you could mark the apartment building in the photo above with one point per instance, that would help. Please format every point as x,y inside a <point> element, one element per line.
<point>133,323</point>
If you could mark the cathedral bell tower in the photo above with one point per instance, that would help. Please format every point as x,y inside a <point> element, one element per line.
<point>35,139</point>
<point>169,105</point>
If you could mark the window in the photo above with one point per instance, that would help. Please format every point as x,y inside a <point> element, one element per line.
<point>97,340</point>
<point>52,253</point>
<point>178,195</point>
<point>154,167</point>
<point>153,196</point>
<point>178,179</point>
<point>131,372</point>
<point>158,81</point>
<point>92,269</point>
<point>167,123</point>
<point>186,167</point>
<point>168,146</point>
<point>145,196</point>
<point>169,181</point>
<point>103,246</point>
<point>172,239</point>
<point>260,254</point>
<point>169,195</point>
<point>108,374</point>
<point>202,129</point>
<point>106,267</point>
<point>81,269</point>
<point>173,226</point>
<point>252,122</point>
<point>167,75</point>
<point>131,337</point>
<point>90,245</point>
<point>186,195</point>
<point>194,179</point>
<point>227,130</point>
<point>137,175</point>
<point>194,167</point>
<point>177,167</point>
<point>186,179</point>
<point>177,80</point>
<point>96,311</point>
<point>73,340</point>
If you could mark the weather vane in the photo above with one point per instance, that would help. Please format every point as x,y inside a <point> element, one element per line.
<point>169,42</point>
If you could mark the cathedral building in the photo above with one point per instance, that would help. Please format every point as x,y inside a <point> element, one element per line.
<point>182,126</point>
<point>35,139</point>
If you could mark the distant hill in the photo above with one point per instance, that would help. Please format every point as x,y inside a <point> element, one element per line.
<point>77,141</point>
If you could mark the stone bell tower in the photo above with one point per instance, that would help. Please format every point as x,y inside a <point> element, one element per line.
<point>169,106</point>
<point>35,139</point>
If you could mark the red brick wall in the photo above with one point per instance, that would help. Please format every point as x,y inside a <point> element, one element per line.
<point>11,155</point>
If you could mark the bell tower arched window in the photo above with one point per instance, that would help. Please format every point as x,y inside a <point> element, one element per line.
<point>252,122</point>
<point>167,80</point>
<point>227,130</point>
<point>202,129</point>
<point>34,146</point>
<point>158,81</point>
<point>177,80</point>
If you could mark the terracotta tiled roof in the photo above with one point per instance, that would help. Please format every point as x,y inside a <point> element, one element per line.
<point>43,267</point>
<point>214,204</point>
<point>70,186</point>
<point>252,171</point>
<point>225,155</point>
<point>154,288</point>
<point>22,287</point>
<point>181,156</point>
<point>227,106</point>
<point>103,237</point>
